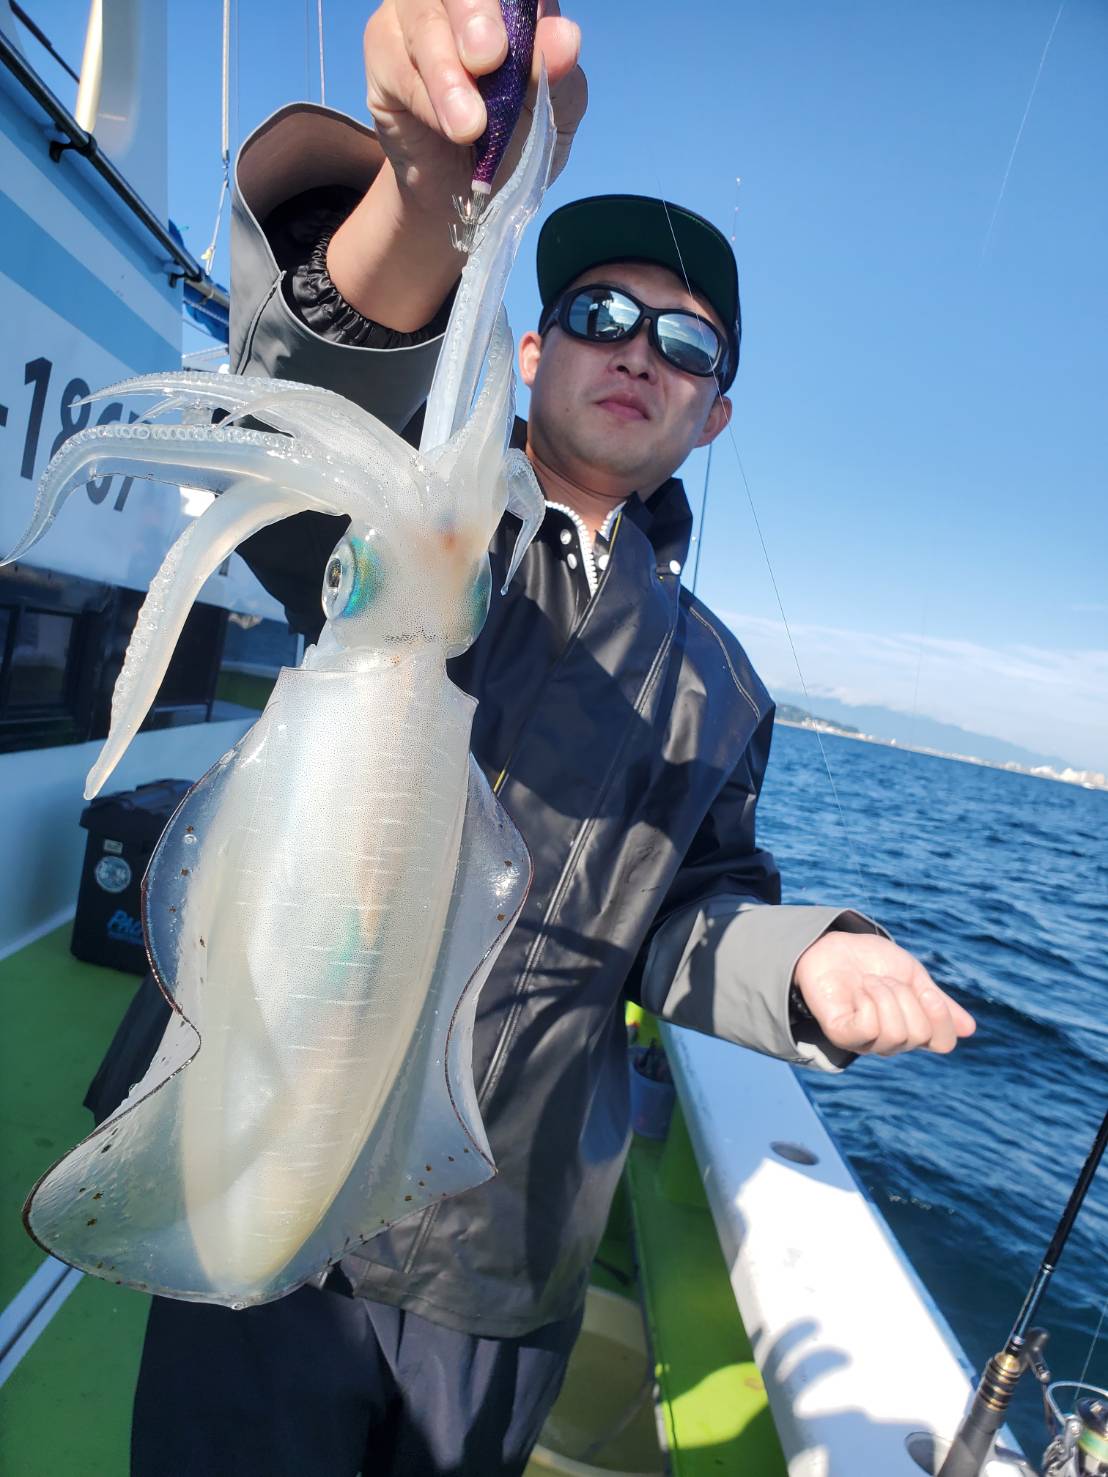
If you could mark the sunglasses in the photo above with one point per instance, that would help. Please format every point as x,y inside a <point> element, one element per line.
<point>600,314</point>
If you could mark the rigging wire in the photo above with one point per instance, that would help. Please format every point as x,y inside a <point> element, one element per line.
<point>208,256</point>
<point>307,50</point>
<point>1019,131</point>
<point>322,76</point>
<point>773,581</point>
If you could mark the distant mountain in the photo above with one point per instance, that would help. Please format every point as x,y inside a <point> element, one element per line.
<point>915,732</point>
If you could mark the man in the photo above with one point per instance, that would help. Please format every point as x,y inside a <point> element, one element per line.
<point>622,727</point>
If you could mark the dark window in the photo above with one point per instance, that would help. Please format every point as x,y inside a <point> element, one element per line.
<point>62,640</point>
<point>39,665</point>
<point>254,651</point>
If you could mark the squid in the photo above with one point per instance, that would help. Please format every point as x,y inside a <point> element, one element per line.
<point>327,901</point>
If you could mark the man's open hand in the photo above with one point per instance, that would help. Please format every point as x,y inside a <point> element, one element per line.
<point>869,995</point>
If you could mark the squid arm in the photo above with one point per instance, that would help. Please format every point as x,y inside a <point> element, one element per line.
<point>243,509</point>
<point>481,291</point>
<point>302,410</point>
<point>253,496</point>
<point>242,395</point>
<point>525,502</point>
<point>144,452</point>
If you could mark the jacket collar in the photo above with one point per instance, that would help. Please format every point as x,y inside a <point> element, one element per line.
<point>665,517</point>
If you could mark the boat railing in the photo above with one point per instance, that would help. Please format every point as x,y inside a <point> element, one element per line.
<point>181,264</point>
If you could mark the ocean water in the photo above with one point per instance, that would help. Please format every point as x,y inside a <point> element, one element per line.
<point>998,882</point>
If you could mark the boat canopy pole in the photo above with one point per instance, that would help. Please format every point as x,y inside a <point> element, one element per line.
<point>968,1454</point>
<point>182,263</point>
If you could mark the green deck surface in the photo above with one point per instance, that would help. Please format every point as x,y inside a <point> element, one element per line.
<point>67,1406</point>
<point>59,1016</point>
<point>66,1410</point>
<point>716,1415</point>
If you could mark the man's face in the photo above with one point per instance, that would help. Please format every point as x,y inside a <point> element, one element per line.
<point>619,413</point>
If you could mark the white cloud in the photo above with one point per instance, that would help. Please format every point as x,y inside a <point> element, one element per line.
<point>1054,701</point>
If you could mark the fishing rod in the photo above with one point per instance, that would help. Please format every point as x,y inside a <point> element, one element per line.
<point>1080,1447</point>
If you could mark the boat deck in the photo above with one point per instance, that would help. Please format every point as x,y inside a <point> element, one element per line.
<point>65,1403</point>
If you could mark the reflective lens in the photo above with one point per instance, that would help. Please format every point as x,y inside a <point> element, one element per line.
<point>606,314</point>
<point>601,313</point>
<point>688,341</point>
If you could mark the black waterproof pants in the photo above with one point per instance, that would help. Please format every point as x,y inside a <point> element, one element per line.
<point>320,1384</point>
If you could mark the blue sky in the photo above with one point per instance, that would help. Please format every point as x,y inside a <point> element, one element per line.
<point>921,409</point>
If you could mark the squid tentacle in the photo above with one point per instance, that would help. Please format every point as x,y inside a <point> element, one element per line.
<point>484,435</point>
<point>218,389</point>
<point>193,455</point>
<point>241,511</point>
<point>244,395</point>
<point>481,292</point>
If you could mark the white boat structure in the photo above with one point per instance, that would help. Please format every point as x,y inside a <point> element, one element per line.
<point>91,286</point>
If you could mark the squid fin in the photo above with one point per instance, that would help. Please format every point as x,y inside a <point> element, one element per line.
<point>116,1205</point>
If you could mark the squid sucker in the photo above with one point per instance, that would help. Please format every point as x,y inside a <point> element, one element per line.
<point>328,899</point>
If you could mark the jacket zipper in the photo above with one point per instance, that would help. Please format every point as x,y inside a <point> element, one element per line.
<point>586,542</point>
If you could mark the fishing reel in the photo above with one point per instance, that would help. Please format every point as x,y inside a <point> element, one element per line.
<point>1080,1448</point>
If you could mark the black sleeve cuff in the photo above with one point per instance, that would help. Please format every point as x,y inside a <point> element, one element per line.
<point>323,308</point>
<point>299,232</point>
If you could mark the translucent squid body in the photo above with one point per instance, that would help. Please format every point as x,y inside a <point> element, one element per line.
<point>325,904</point>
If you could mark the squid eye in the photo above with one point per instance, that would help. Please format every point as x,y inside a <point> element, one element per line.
<point>353,578</point>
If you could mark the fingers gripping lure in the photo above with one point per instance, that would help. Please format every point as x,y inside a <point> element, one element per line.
<point>327,901</point>
<point>503,92</point>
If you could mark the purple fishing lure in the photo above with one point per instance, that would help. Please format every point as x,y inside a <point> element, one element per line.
<point>503,91</point>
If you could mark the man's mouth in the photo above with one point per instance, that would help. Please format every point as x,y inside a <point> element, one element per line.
<point>624,407</point>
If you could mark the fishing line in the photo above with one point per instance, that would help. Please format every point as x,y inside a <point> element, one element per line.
<point>773,580</point>
<point>703,511</point>
<point>225,136</point>
<point>919,659</point>
<point>1096,1338</point>
<point>1019,132</point>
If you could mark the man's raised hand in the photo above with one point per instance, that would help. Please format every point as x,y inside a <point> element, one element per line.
<point>421,59</point>
<point>392,258</point>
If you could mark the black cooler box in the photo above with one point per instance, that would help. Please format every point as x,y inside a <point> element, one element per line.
<point>123,830</point>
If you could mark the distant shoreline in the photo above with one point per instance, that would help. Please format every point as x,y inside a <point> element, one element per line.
<point>1086,779</point>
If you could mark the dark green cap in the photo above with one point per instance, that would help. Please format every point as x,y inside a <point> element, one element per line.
<point>640,228</point>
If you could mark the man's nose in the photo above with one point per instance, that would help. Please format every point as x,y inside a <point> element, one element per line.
<point>635,355</point>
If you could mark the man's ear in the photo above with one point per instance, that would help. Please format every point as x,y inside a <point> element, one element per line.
<point>530,349</point>
<point>719,418</point>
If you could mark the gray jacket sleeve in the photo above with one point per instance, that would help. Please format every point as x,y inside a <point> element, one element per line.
<point>721,959</point>
<point>302,147</point>
<point>725,967</point>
